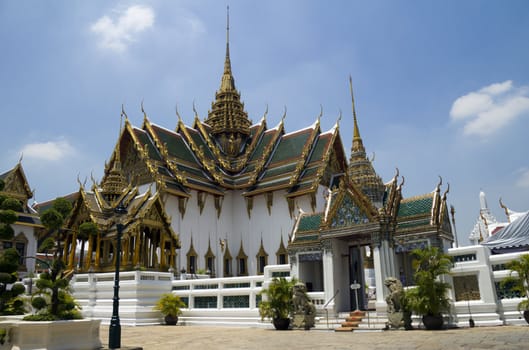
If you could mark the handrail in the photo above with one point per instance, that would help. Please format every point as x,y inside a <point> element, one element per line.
<point>327,303</point>
<point>331,299</point>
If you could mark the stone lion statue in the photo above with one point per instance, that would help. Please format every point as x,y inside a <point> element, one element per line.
<point>397,317</point>
<point>303,309</point>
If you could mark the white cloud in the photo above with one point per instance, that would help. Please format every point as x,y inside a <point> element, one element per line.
<point>116,34</point>
<point>490,108</point>
<point>498,88</point>
<point>469,105</point>
<point>523,179</point>
<point>48,151</point>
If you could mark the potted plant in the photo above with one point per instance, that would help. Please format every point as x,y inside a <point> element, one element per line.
<point>520,283</point>
<point>169,305</point>
<point>278,302</point>
<point>429,297</point>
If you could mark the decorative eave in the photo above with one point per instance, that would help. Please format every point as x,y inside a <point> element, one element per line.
<point>263,160</point>
<point>80,203</point>
<point>145,205</point>
<point>180,176</point>
<point>207,164</point>
<point>305,153</point>
<point>141,149</point>
<point>10,175</point>
<point>324,163</point>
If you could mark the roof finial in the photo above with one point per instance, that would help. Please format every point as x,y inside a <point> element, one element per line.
<point>228,24</point>
<point>284,114</point>
<point>356,132</point>
<point>227,63</point>
<point>358,145</point>
<point>143,110</point>
<point>177,114</point>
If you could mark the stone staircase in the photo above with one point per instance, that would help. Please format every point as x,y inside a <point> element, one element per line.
<point>362,321</point>
<point>352,321</point>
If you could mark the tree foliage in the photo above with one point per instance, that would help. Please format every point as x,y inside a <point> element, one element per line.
<point>53,286</point>
<point>429,297</point>
<point>10,303</point>
<point>278,303</point>
<point>519,279</point>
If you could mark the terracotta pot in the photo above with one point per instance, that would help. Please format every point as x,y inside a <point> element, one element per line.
<point>281,324</point>
<point>171,320</point>
<point>433,322</point>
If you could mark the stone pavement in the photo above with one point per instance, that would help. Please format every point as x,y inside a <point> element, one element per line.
<point>206,337</point>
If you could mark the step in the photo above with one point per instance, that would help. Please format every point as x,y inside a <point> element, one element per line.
<point>352,321</point>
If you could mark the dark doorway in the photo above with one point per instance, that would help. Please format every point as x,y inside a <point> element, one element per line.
<point>356,276</point>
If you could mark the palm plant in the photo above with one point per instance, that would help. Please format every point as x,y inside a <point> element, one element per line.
<point>429,296</point>
<point>170,306</point>
<point>520,283</point>
<point>278,304</point>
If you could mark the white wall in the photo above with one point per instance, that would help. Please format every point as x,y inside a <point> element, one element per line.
<point>235,226</point>
<point>31,248</point>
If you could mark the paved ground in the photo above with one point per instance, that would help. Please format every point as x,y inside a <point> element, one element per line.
<point>204,338</point>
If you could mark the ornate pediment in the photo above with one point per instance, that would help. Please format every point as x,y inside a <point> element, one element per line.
<point>347,213</point>
<point>16,184</point>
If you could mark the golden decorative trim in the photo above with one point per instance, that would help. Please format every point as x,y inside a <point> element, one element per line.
<point>304,153</point>
<point>291,205</point>
<point>182,205</point>
<point>249,206</point>
<point>218,204</point>
<point>201,200</point>
<point>269,201</point>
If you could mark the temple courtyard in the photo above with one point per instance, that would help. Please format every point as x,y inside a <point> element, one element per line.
<point>200,337</point>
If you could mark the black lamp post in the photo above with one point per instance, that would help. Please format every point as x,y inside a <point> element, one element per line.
<point>114,332</point>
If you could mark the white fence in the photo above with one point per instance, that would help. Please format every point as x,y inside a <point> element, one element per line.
<point>233,300</point>
<point>477,292</point>
<point>475,277</point>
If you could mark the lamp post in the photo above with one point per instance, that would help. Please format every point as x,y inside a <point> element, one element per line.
<point>114,331</point>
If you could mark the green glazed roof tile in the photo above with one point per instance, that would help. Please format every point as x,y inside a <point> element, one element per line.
<point>415,206</point>
<point>309,223</point>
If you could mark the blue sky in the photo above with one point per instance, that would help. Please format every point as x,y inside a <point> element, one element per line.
<point>441,88</point>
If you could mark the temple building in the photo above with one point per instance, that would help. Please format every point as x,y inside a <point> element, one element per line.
<point>225,197</point>
<point>500,236</point>
<point>27,226</point>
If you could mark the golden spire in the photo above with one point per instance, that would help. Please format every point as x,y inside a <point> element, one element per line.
<point>361,169</point>
<point>358,146</point>
<point>228,120</point>
<point>114,181</point>
<point>228,83</point>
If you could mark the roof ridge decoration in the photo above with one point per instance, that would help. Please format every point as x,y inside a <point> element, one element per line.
<point>326,158</point>
<point>142,152</point>
<point>227,118</point>
<point>309,145</point>
<point>266,155</point>
<point>20,186</point>
<point>162,147</point>
<point>436,203</point>
<point>208,164</point>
